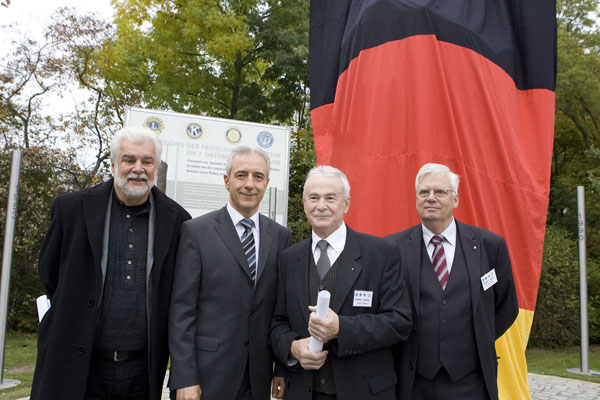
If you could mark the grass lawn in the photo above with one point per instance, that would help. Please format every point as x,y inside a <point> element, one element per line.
<point>19,359</point>
<point>557,361</point>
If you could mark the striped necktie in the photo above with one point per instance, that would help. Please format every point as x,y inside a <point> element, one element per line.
<point>248,246</point>
<point>439,261</point>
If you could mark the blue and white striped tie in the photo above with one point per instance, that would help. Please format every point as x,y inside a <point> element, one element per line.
<point>248,246</point>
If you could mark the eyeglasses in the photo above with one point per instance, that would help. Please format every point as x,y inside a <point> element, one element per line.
<point>438,193</point>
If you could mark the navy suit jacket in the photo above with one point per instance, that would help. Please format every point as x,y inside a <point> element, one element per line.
<point>494,310</point>
<point>362,354</point>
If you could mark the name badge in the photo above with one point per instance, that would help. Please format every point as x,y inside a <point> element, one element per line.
<point>363,298</point>
<point>489,279</point>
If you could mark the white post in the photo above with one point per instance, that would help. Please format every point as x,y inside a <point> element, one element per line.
<point>11,215</point>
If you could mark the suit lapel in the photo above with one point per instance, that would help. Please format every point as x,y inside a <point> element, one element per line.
<point>225,229</point>
<point>95,202</point>
<point>413,263</point>
<point>163,231</point>
<point>349,270</point>
<point>471,247</point>
<point>266,241</point>
<point>301,275</point>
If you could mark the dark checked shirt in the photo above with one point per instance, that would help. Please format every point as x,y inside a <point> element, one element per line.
<point>123,319</point>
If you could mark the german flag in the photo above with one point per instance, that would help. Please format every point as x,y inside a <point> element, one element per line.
<point>470,84</point>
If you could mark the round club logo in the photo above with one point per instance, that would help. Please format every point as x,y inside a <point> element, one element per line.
<point>155,124</point>
<point>265,139</point>
<point>233,135</point>
<point>194,130</point>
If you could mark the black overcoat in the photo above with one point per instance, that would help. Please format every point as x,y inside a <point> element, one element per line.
<point>70,271</point>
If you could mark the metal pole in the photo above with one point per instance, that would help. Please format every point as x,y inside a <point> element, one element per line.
<point>11,214</point>
<point>273,203</point>
<point>583,280</point>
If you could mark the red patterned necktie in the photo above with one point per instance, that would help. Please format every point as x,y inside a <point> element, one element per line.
<point>439,261</point>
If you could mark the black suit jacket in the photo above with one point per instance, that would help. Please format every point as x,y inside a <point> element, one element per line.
<point>494,310</point>
<point>70,271</point>
<point>362,355</point>
<point>218,318</point>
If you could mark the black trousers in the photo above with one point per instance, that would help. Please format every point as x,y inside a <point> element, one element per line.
<point>469,387</point>
<point>120,380</point>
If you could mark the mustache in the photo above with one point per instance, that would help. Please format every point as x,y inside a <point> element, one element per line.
<point>133,175</point>
<point>322,214</point>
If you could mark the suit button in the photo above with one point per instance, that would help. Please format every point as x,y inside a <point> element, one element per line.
<point>252,314</point>
<point>90,302</point>
<point>443,340</point>
<point>414,328</point>
<point>412,366</point>
<point>308,390</point>
<point>246,343</point>
<point>321,287</point>
<point>250,283</point>
<point>444,302</point>
<point>81,350</point>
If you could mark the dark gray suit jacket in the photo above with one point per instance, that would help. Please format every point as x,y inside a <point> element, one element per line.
<point>494,310</point>
<point>362,355</point>
<point>218,319</point>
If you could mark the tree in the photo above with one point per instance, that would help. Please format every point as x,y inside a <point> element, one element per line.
<point>243,59</point>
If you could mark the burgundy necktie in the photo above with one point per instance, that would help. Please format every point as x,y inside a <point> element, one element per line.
<point>439,261</point>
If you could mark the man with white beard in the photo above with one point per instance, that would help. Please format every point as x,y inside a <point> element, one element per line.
<point>106,264</point>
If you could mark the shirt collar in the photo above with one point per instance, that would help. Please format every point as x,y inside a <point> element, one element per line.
<point>236,217</point>
<point>449,234</point>
<point>336,240</point>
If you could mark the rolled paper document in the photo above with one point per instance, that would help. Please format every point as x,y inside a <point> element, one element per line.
<point>43,305</point>
<point>315,345</point>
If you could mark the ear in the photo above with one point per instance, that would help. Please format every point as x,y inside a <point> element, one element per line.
<point>346,205</point>
<point>112,168</point>
<point>456,201</point>
<point>226,180</point>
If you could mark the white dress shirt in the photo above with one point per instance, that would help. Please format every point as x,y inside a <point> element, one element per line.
<point>449,242</point>
<point>236,217</point>
<point>336,241</point>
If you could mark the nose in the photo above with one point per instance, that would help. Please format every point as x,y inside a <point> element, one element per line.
<point>137,167</point>
<point>321,205</point>
<point>431,196</point>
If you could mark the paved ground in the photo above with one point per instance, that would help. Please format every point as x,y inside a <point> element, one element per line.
<point>544,387</point>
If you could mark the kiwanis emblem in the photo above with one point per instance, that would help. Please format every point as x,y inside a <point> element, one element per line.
<point>233,135</point>
<point>155,124</point>
<point>265,139</point>
<point>194,130</point>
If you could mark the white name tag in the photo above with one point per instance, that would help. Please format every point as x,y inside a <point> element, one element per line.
<point>489,279</point>
<point>363,298</point>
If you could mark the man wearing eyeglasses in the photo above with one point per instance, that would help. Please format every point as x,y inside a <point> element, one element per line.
<point>463,297</point>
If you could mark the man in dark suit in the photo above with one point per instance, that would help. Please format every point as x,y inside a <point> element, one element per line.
<point>462,294</point>
<point>369,309</point>
<point>224,292</point>
<point>107,266</point>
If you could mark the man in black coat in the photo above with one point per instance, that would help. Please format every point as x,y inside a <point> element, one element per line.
<point>462,295</point>
<point>106,264</point>
<point>224,292</point>
<point>369,309</point>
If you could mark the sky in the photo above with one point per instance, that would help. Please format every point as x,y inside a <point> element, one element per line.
<point>31,16</point>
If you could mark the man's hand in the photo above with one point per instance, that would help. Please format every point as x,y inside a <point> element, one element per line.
<point>278,387</point>
<point>307,359</point>
<point>323,328</point>
<point>189,393</point>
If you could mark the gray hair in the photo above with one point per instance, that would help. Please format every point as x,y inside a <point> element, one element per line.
<point>327,170</point>
<point>138,135</point>
<point>247,150</point>
<point>439,170</point>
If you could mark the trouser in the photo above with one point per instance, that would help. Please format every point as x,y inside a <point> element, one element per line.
<point>469,387</point>
<point>118,380</point>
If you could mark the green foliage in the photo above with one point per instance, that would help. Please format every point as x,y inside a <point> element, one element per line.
<point>302,159</point>
<point>243,59</point>
<point>556,318</point>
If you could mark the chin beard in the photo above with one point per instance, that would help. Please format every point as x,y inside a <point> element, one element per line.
<point>133,193</point>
